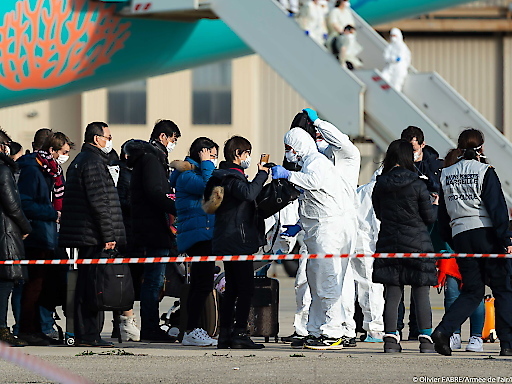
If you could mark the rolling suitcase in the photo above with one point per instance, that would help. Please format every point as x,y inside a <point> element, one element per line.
<point>264,314</point>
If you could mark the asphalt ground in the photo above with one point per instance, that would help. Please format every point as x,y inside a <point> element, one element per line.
<point>277,363</point>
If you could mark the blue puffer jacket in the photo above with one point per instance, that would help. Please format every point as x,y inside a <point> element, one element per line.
<point>189,179</point>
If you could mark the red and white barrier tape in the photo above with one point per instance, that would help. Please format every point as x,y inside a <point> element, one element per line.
<point>181,259</point>
<point>39,366</point>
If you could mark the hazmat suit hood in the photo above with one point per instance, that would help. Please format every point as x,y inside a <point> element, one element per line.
<point>301,142</point>
<point>396,179</point>
<point>377,173</point>
<point>398,33</point>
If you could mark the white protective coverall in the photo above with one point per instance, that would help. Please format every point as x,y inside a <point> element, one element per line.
<point>312,19</point>
<point>347,160</point>
<point>398,60</point>
<point>370,295</point>
<point>290,5</point>
<point>328,217</point>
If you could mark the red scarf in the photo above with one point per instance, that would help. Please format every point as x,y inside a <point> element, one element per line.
<point>51,167</point>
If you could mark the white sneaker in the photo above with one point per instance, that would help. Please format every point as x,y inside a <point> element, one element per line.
<point>476,344</point>
<point>198,338</point>
<point>129,330</point>
<point>455,342</point>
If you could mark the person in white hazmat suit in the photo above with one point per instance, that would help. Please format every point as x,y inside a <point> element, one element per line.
<point>370,295</point>
<point>291,6</point>
<point>312,20</point>
<point>398,60</point>
<point>328,217</point>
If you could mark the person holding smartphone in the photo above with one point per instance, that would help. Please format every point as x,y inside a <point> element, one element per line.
<point>239,230</point>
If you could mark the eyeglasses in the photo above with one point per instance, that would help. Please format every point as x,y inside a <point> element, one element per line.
<point>109,138</point>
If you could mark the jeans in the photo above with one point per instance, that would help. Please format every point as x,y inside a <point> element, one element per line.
<point>17,292</point>
<point>153,281</point>
<point>47,320</point>
<point>451,292</point>
<point>5,292</point>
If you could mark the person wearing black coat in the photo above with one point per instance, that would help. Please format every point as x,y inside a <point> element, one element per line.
<point>239,230</point>
<point>402,204</point>
<point>91,221</point>
<point>14,227</point>
<point>152,203</point>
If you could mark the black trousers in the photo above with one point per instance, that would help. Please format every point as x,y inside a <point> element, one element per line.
<point>475,273</point>
<point>88,324</point>
<point>393,297</point>
<point>236,302</point>
<point>201,282</point>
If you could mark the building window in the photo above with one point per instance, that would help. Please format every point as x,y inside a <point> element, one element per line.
<point>211,95</point>
<point>127,103</point>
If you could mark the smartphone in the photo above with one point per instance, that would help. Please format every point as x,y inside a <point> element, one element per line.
<point>264,158</point>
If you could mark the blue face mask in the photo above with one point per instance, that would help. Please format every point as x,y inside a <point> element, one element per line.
<point>322,145</point>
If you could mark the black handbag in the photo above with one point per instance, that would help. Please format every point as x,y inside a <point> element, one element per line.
<point>275,196</point>
<point>110,285</point>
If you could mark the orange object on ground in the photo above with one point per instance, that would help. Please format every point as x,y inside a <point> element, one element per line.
<point>489,330</point>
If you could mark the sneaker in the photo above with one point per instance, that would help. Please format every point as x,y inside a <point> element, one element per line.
<point>7,337</point>
<point>129,330</point>
<point>198,338</point>
<point>157,336</point>
<point>476,344</point>
<point>349,342</point>
<point>94,343</point>
<point>290,339</point>
<point>54,334</point>
<point>374,337</point>
<point>300,342</point>
<point>455,342</point>
<point>324,343</point>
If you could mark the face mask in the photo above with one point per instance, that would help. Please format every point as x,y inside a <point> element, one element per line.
<point>246,163</point>
<point>351,37</point>
<point>108,147</point>
<point>347,4</point>
<point>394,39</point>
<point>170,146</point>
<point>291,157</point>
<point>416,156</point>
<point>62,159</point>
<point>214,161</point>
<point>322,145</point>
<point>7,150</point>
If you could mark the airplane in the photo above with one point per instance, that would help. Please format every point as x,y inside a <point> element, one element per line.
<point>50,48</point>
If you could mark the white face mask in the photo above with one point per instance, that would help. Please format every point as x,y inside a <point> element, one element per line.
<point>394,39</point>
<point>291,157</point>
<point>322,145</point>
<point>170,146</point>
<point>62,159</point>
<point>7,150</point>
<point>108,147</point>
<point>246,163</point>
<point>416,156</point>
<point>351,37</point>
<point>214,161</point>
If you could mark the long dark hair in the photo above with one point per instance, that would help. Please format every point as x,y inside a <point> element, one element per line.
<point>198,145</point>
<point>399,153</point>
<point>301,120</point>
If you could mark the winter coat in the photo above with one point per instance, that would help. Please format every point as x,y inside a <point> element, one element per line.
<point>239,230</point>
<point>402,204</point>
<point>13,223</point>
<point>91,211</point>
<point>189,179</point>
<point>35,189</point>
<point>150,196</point>
<point>430,167</point>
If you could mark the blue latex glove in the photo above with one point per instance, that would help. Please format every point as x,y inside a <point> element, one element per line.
<point>279,172</point>
<point>307,33</point>
<point>291,230</point>
<point>325,36</point>
<point>398,59</point>
<point>311,114</point>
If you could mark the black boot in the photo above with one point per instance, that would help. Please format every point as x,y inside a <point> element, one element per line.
<point>7,337</point>
<point>426,344</point>
<point>241,340</point>
<point>224,341</point>
<point>441,343</point>
<point>392,343</point>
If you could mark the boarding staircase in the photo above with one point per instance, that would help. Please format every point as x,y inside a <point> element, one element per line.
<point>359,102</point>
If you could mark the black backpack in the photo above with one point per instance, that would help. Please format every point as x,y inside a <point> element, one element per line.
<point>110,285</point>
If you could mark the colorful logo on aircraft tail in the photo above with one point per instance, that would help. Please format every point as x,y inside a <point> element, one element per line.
<point>57,41</point>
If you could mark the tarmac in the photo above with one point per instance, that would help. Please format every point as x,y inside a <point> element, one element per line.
<point>277,363</point>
